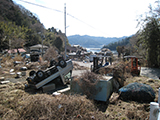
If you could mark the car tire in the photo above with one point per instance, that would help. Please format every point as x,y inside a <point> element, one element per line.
<point>62,63</point>
<point>40,74</point>
<point>32,73</point>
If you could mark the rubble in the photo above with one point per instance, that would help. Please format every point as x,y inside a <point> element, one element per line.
<point>30,100</point>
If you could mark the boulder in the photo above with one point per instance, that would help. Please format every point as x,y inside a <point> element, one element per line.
<point>137,92</point>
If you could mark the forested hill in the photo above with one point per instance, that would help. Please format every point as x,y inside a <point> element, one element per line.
<point>17,14</point>
<point>123,42</point>
<point>21,28</point>
<point>92,41</point>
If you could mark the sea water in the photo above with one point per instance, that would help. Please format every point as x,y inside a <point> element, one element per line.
<point>97,50</point>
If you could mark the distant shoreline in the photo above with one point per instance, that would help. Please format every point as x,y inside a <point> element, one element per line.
<point>93,50</point>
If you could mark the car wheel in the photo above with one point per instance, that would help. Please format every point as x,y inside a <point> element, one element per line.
<point>31,73</point>
<point>40,74</point>
<point>62,63</point>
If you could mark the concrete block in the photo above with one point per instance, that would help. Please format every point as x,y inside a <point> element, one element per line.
<point>48,87</point>
<point>5,82</point>
<point>105,89</point>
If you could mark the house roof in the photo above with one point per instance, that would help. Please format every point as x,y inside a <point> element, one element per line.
<point>71,48</point>
<point>15,50</point>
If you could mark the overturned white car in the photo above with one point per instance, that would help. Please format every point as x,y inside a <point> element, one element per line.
<point>60,71</point>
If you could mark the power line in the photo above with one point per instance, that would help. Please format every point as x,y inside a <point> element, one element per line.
<point>62,12</point>
<point>41,6</point>
<point>56,11</point>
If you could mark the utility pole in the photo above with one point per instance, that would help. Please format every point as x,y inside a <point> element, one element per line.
<point>65,27</point>
<point>42,43</point>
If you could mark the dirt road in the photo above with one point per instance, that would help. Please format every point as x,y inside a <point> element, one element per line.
<point>85,64</point>
<point>153,73</point>
<point>79,72</point>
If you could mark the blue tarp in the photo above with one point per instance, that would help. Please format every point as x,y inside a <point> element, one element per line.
<point>138,92</point>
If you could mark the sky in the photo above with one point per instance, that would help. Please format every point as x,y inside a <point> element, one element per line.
<point>103,18</point>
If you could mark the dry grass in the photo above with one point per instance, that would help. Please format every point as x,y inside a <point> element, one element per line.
<point>120,71</point>
<point>19,103</point>
<point>18,58</point>
<point>15,103</point>
<point>127,110</point>
<point>7,62</point>
<point>87,82</point>
<point>50,53</point>
<point>62,107</point>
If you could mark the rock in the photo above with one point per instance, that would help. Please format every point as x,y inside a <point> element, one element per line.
<point>11,70</point>
<point>137,92</point>
<point>19,74</point>
<point>23,68</point>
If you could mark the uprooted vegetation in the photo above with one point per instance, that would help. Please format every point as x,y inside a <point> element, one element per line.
<point>7,63</point>
<point>17,104</point>
<point>87,83</point>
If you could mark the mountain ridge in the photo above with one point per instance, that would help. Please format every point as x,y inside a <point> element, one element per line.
<point>92,41</point>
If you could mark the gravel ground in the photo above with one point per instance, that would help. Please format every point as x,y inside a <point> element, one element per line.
<point>153,73</point>
<point>85,64</point>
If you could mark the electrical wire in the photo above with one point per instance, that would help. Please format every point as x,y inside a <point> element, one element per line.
<point>41,6</point>
<point>61,12</point>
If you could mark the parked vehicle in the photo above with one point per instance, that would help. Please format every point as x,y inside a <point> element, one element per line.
<point>135,66</point>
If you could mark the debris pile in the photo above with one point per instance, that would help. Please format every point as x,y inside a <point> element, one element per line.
<point>87,83</point>
<point>118,73</point>
<point>78,67</point>
<point>18,104</point>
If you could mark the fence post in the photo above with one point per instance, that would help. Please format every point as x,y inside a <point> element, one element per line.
<point>154,111</point>
<point>159,97</point>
